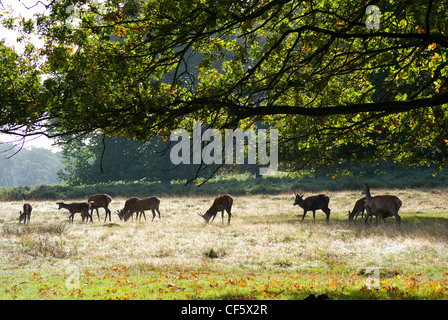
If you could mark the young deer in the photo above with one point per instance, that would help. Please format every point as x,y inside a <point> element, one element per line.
<point>27,208</point>
<point>313,203</point>
<point>360,206</point>
<point>381,206</point>
<point>75,207</point>
<point>220,203</point>
<point>100,201</point>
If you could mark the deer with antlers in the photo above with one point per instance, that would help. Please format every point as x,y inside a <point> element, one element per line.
<point>220,203</point>
<point>313,203</point>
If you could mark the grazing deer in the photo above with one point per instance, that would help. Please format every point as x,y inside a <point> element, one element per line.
<point>220,203</point>
<point>381,206</point>
<point>360,206</point>
<point>100,201</point>
<point>313,203</point>
<point>74,207</point>
<point>139,206</point>
<point>27,208</point>
<point>127,208</point>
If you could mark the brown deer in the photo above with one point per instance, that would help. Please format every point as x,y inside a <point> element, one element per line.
<point>27,208</point>
<point>313,203</point>
<point>220,203</point>
<point>360,206</point>
<point>75,207</point>
<point>100,201</point>
<point>139,206</point>
<point>127,208</point>
<point>381,206</point>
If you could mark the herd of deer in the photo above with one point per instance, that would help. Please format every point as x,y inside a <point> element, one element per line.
<point>379,206</point>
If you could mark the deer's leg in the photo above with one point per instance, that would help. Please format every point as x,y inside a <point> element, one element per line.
<point>368,214</point>
<point>153,214</point>
<point>222,217</point>
<point>107,213</point>
<point>158,212</point>
<point>397,219</point>
<point>230,216</point>
<point>327,213</point>
<point>314,214</point>
<point>304,214</point>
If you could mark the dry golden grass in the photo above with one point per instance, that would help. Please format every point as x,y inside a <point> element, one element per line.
<point>265,234</point>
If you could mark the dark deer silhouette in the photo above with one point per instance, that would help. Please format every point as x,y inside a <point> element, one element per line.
<point>360,206</point>
<point>313,203</point>
<point>26,214</point>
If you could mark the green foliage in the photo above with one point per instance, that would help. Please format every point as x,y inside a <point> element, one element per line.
<point>313,70</point>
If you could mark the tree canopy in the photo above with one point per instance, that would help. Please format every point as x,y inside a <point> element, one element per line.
<point>333,87</point>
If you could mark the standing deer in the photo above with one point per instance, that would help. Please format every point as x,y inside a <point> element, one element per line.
<point>360,206</point>
<point>100,201</point>
<point>381,206</point>
<point>139,206</point>
<point>27,208</point>
<point>75,207</point>
<point>220,203</point>
<point>313,203</point>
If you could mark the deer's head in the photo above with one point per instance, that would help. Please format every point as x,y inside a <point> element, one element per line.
<point>365,189</point>
<point>206,215</point>
<point>120,214</point>
<point>299,198</point>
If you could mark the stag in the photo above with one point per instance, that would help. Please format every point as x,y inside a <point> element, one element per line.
<point>220,203</point>
<point>360,206</point>
<point>75,207</point>
<point>139,206</point>
<point>313,203</point>
<point>381,206</point>
<point>127,208</point>
<point>27,208</point>
<point>97,201</point>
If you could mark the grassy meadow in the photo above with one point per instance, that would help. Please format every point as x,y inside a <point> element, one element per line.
<point>266,253</point>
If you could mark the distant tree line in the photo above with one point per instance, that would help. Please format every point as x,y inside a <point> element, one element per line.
<point>34,166</point>
<point>95,158</point>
